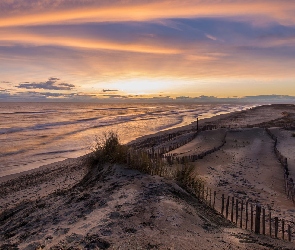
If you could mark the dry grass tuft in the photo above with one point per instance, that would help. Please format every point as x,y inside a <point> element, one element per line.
<point>108,149</point>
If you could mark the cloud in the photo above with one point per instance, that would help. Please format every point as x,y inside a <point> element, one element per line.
<point>4,94</point>
<point>19,12</point>
<point>53,79</point>
<point>51,84</point>
<point>116,96</point>
<point>110,90</point>
<point>61,39</point>
<point>45,96</point>
<point>188,47</point>
<point>269,97</point>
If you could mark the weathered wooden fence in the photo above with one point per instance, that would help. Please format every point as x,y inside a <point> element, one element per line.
<point>245,214</point>
<point>156,141</point>
<point>171,159</point>
<point>172,144</point>
<point>289,183</point>
<point>174,139</point>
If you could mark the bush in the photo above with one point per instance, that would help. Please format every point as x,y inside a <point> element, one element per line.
<point>108,149</point>
<point>293,135</point>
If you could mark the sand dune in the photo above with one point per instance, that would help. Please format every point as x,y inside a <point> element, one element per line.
<point>203,142</point>
<point>286,145</point>
<point>118,208</point>
<point>122,209</point>
<point>246,167</point>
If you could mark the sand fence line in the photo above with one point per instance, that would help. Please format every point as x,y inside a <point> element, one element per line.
<point>167,142</point>
<point>170,141</point>
<point>244,213</point>
<point>181,138</point>
<point>289,183</point>
<point>160,146</point>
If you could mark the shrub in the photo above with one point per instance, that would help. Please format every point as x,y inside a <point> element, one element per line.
<point>293,135</point>
<point>108,148</point>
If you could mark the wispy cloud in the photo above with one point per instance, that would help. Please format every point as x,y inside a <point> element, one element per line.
<point>14,13</point>
<point>110,90</point>
<point>188,47</point>
<point>51,84</point>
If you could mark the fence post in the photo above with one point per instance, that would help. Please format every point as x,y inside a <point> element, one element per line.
<point>257,219</point>
<point>247,215</point>
<point>203,192</point>
<point>196,188</point>
<point>289,233</point>
<point>222,204</point>
<point>276,226</point>
<point>270,223</point>
<point>199,190</point>
<point>241,219</point>
<point>263,221</point>
<point>237,210</point>
<point>251,217</point>
<point>210,203</point>
<point>226,208</point>
<point>232,208</point>
<point>283,229</point>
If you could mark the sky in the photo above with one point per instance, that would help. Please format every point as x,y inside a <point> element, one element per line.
<point>123,49</point>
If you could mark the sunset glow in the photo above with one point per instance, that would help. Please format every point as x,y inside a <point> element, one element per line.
<point>65,49</point>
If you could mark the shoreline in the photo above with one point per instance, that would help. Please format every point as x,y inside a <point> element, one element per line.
<point>142,138</point>
<point>50,166</point>
<point>55,207</point>
<point>51,162</point>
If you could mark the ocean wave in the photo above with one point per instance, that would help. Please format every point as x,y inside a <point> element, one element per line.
<point>56,152</point>
<point>66,130</point>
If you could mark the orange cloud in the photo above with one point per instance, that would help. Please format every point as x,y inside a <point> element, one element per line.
<point>195,58</point>
<point>41,40</point>
<point>280,10</point>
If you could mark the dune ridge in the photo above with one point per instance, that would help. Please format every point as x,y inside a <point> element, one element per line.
<point>123,208</point>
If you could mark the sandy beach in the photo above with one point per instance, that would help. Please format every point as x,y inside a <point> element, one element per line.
<point>119,208</point>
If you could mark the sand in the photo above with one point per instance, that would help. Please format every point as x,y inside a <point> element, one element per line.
<point>286,145</point>
<point>118,208</point>
<point>247,168</point>
<point>123,209</point>
<point>203,142</point>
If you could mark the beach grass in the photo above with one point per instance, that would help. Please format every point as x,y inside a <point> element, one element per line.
<point>108,149</point>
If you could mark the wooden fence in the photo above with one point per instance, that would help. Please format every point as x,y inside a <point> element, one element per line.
<point>171,159</point>
<point>156,141</point>
<point>289,183</point>
<point>245,214</point>
<point>174,143</point>
<point>180,138</point>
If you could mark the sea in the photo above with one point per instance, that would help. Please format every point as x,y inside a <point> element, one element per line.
<point>36,134</point>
